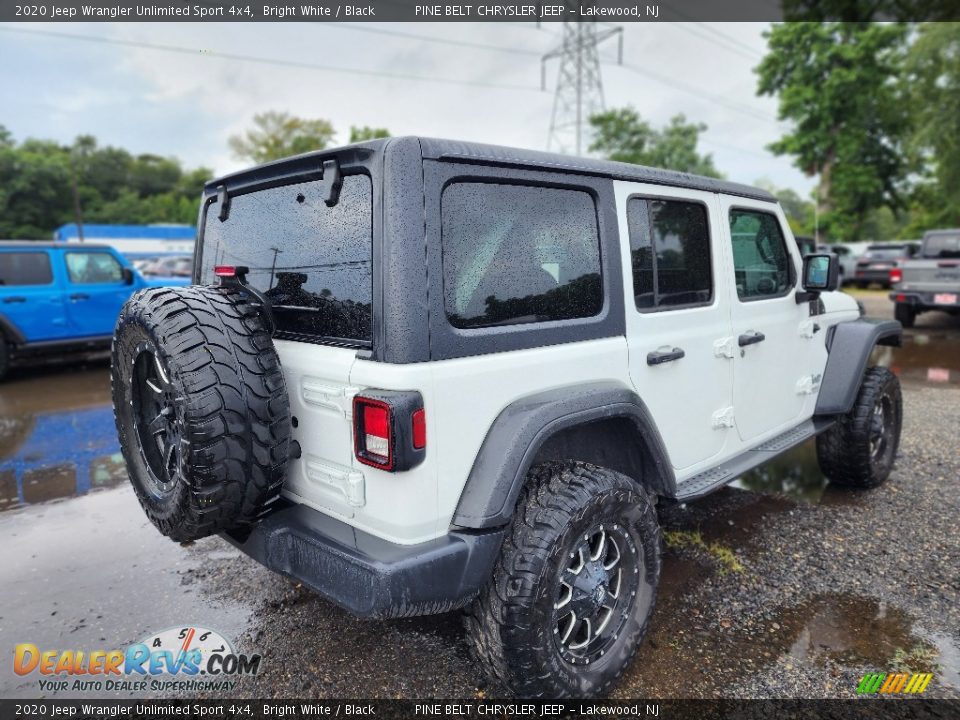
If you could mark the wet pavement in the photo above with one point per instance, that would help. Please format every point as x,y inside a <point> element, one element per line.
<point>778,586</point>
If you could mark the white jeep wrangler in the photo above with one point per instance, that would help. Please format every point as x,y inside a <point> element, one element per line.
<point>420,375</point>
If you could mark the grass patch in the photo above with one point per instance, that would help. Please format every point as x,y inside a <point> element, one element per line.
<point>919,658</point>
<point>724,556</point>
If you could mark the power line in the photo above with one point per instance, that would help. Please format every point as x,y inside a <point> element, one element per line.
<point>703,36</point>
<point>693,90</point>
<point>428,38</point>
<point>265,60</point>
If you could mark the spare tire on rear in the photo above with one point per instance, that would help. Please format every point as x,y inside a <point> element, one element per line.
<point>201,409</point>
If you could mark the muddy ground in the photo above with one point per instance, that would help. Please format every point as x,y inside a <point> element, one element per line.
<point>777,587</point>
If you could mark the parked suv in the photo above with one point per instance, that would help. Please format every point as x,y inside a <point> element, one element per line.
<point>878,260</point>
<point>419,375</point>
<point>56,297</point>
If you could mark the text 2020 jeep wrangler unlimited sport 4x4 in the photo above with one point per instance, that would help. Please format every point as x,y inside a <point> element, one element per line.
<point>420,375</point>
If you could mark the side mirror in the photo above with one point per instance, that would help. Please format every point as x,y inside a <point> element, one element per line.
<point>821,272</point>
<point>127,276</point>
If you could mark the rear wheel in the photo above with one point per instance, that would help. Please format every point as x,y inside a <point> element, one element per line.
<point>573,591</point>
<point>860,449</point>
<point>905,314</point>
<point>201,409</point>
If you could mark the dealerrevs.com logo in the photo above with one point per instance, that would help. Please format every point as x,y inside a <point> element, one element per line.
<point>183,658</point>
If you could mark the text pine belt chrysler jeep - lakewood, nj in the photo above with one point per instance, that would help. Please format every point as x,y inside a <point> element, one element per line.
<point>421,375</point>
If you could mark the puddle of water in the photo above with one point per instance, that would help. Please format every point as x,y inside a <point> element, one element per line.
<point>796,474</point>
<point>94,574</point>
<point>931,358</point>
<point>687,655</point>
<point>57,438</point>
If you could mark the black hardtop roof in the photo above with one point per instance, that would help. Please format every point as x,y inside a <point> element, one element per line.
<point>455,150</point>
<point>34,244</point>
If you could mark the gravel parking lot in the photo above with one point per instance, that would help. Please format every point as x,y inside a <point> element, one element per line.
<point>778,587</point>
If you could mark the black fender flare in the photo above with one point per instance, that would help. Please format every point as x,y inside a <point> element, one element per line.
<point>10,331</point>
<point>849,345</point>
<point>521,429</point>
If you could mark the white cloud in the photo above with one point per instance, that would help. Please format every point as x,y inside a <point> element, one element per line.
<point>187,105</point>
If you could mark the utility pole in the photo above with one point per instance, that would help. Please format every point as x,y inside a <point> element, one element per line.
<point>273,267</point>
<point>579,91</point>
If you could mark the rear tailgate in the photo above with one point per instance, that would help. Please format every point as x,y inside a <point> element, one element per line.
<point>931,276</point>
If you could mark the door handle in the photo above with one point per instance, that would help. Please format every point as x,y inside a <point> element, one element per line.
<point>15,299</point>
<point>79,296</point>
<point>751,338</point>
<point>664,356</point>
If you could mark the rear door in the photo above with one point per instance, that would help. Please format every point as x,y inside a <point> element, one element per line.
<point>30,300</point>
<point>779,355</point>
<point>677,315</point>
<point>95,291</point>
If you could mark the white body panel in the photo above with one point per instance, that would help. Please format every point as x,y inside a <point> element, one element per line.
<point>760,392</point>
<point>775,381</point>
<point>684,394</point>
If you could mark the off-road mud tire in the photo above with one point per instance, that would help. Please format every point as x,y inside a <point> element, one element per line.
<point>846,453</point>
<point>509,624</point>
<point>224,397</point>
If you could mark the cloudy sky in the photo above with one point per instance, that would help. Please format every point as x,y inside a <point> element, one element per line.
<point>430,79</point>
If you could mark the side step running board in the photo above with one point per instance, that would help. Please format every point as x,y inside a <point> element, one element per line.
<point>707,481</point>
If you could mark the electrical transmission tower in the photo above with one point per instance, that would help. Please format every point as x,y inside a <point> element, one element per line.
<point>579,91</point>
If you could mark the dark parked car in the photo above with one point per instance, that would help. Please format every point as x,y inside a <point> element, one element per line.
<point>875,264</point>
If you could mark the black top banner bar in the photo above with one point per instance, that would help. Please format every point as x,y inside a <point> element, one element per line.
<point>621,11</point>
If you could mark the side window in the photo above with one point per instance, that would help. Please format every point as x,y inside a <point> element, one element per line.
<point>670,253</point>
<point>25,268</point>
<point>517,254</point>
<point>761,262</point>
<point>88,268</point>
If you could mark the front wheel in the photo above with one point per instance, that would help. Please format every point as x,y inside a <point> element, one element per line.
<point>574,588</point>
<point>860,449</point>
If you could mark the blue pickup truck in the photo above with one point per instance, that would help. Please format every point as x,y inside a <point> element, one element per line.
<point>59,297</point>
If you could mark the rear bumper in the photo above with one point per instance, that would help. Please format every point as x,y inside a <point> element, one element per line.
<point>877,276</point>
<point>369,576</point>
<point>919,299</point>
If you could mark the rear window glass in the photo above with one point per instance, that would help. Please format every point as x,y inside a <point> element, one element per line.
<point>516,254</point>
<point>311,260</point>
<point>942,246</point>
<point>25,268</point>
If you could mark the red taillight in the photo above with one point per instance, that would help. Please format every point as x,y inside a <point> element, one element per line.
<point>389,429</point>
<point>225,271</point>
<point>419,429</point>
<point>373,432</point>
<point>896,275</point>
<point>901,298</point>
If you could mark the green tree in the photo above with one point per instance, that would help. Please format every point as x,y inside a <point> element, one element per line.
<point>277,135</point>
<point>361,134</point>
<point>799,212</point>
<point>621,134</point>
<point>933,76</point>
<point>37,179</point>
<point>838,83</point>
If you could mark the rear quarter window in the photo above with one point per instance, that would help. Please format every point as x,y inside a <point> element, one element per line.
<point>515,254</point>
<point>25,268</point>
